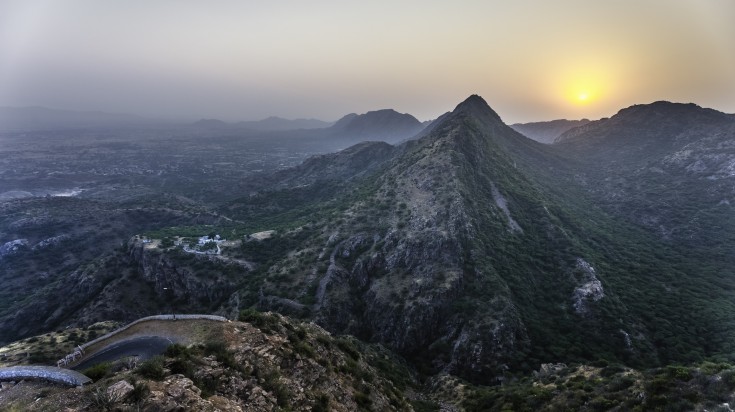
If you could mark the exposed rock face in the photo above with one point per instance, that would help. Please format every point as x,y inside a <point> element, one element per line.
<point>177,393</point>
<point>118,391</point>
<point>398,279</point>
<point>179,283</point>
<point>11,247</point>
<point>502,203</point>
<point>589,291</point>
<point>52,241</point>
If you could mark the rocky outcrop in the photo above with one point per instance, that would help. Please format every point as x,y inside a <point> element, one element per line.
<point>177,281</point>
<point>279,365</point>
<point>590,290</point>
<point>8,248</point>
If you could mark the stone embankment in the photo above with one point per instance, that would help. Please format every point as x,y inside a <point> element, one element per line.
<point>74,378</point>
<point>150,318</point>
<point>47,373</point>
<point>172,317</point>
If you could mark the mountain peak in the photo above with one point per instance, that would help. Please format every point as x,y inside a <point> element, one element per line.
<point>652,123</point>
<point>385,124</point>
<point>667,109</point>
<point>476,106</point>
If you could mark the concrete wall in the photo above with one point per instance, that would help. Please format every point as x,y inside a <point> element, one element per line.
<point>149,318</point>
<point>48,373</point>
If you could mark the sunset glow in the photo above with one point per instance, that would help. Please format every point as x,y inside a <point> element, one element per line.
<point>247,59</point>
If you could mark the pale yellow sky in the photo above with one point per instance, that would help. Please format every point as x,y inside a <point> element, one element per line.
<point>531,60</point>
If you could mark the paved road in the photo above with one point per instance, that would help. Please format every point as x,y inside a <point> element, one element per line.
<point>144,347</point>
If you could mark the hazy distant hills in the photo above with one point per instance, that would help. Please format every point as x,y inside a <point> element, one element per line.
<point>275,123</point>
<point>387,125</point>
<point>381,125</point>
<point>547,132</point>
<point>41,118</point>
<point>270,124</point>
<point>209,124</point>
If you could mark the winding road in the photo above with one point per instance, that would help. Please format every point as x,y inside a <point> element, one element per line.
<point>144,347</point>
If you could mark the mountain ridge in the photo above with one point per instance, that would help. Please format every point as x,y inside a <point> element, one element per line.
<point>385,124</point>
<point>473,250</point>
<point>417,274</point>
<point>548,131</point>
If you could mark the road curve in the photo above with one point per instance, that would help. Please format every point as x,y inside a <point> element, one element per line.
<point>144,347</point>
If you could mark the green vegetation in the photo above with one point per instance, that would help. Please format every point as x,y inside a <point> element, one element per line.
<point>587,388</point>
<point>152,368</point>
<point>140,391</point>
<point>263,321</point>
<point>98,371</point>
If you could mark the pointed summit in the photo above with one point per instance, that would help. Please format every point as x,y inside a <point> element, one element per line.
<point>476,106</point>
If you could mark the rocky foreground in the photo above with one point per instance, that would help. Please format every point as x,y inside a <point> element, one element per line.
<point>265,363</point>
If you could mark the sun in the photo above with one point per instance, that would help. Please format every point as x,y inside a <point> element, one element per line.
<point>582,87</point>
<point>582,96</point>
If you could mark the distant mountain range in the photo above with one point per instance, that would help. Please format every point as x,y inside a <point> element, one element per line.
<point>270,124</point>
<point>547,132</point>
<point>387,125</point>
<point>42,118</point>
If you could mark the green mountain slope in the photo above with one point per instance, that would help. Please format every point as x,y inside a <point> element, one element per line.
<point>471,253</point>
<point>668,167</point>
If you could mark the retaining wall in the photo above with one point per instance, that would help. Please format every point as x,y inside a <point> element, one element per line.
<point>47,373</point>
<point>149,318</point>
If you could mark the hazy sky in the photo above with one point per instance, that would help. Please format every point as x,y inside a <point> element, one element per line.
<point>238,60</point>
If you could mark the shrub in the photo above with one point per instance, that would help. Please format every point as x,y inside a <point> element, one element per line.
<point>272,383</point>
<point>219,350</point>
<point>178,351</point>
<point>262,321</point>
<point>321,404</point>
<point>98,371</point>
<point>101,400</point>
<point>363,400</point>
<point>348,347</point>
<point>152,368</point>
<point>140,391</point>
<point>304,348</point>
<point>424,406</point>
<point>182,366</point>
